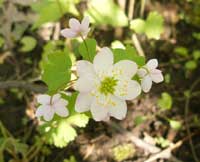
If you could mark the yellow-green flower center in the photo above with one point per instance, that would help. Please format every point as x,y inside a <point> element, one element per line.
<point>108,85</point>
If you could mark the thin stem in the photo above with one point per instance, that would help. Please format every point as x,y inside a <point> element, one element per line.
<point>137,45</point>
<point>86,47</point>
<point>142,8</point>
<point>186,121</point>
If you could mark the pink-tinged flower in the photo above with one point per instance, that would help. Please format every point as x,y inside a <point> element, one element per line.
<point>51,105</point>
<point>76,28</point>
<point>104,86</point>
<point>149,74</point>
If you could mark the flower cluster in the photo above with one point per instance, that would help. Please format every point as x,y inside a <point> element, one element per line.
<point>103,86</point>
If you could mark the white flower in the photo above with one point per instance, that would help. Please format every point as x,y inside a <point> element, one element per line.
<point>50,105</point>
<point>105,86</point>
<point>149,73</point>
<point>76,28</point>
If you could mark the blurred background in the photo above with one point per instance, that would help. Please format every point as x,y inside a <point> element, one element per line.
<point>161,126</point>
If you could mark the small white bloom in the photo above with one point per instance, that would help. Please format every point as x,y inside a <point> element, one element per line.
<point>105,86</point>
<point>149,73</point>
<point>51,105</point>
<point>76,28</point>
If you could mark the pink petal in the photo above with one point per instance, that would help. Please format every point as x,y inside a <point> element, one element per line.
<point>146,83</point>
<point>43,99</point>
<point>83,102</point>
<point>157,76</point>
<point>74,24</point>
<point>68,33</point>
<point>85,24</point>
<point>152,64</point>
<point>39,111</point>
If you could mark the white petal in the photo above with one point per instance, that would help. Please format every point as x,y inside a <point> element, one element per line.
<point>56,98</point>
<point>83,102</point>
<point>146,83</point>
<point>127,89</point>
<point>85,68</point>
<point>99,112</point>
<point>68,33</point>
<point>85,33</point>
<point>85,84</point>
<point>125,67</point>
<point>142,72</point>
<point>61,111</point>
<point>152,64</point>
<point>48,113</point>
<point>85,23</point>
<point>61,103</point>
<point>119,108</point>
<point>43,99</point>
<point>157,76</point>
<point>103,60</point>
<point>74,24</point>
<point>40,111</point>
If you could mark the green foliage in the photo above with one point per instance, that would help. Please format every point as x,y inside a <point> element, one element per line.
<point>56,70</point>
<point>196,35</point>
<point>162,142</point>
<point>182,51</point>
<point>71,159</point>
<point>87,49</point>
<point>128,54</point>
<point>139,120</point>
<point>167,78</point>
<point>196,54</point>
<point>28,43</point>
<point>60,131</point>
<point>117,44</point>
<point>175,124</point>
<point>123,152</point>
<point>152,27</point>
<point>1,42</point>
<point>52,10</point>
<point>191,65</point>
<point>165,102</point>
<point>138,25</point>
<point>10,145</point>
<point>106,12</point>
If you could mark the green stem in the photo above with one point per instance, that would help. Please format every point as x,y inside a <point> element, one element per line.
<point>86,47</point>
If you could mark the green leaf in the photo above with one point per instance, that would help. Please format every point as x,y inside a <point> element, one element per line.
<point>138,25</point>
<point>28,43</point>
<point>87,49</point>
<point>52,10</point>
<point>1,42</point>
<point>196,35</point>
<point>140,60</point>
<point>71,159</point>
<point>154,25</point>
<point>191,65</point>
<point>79,120</point>
<point>56,70</point>
<point>196,54</point>
<point>106,12</point>
<point>139,120</point>
<point>167,78</point>
<point>128,54</point>
<point>165,102</point>
<point>162,142</point>
<point>175,124</point>
<point>117,44</point>
<point>182,51</point>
